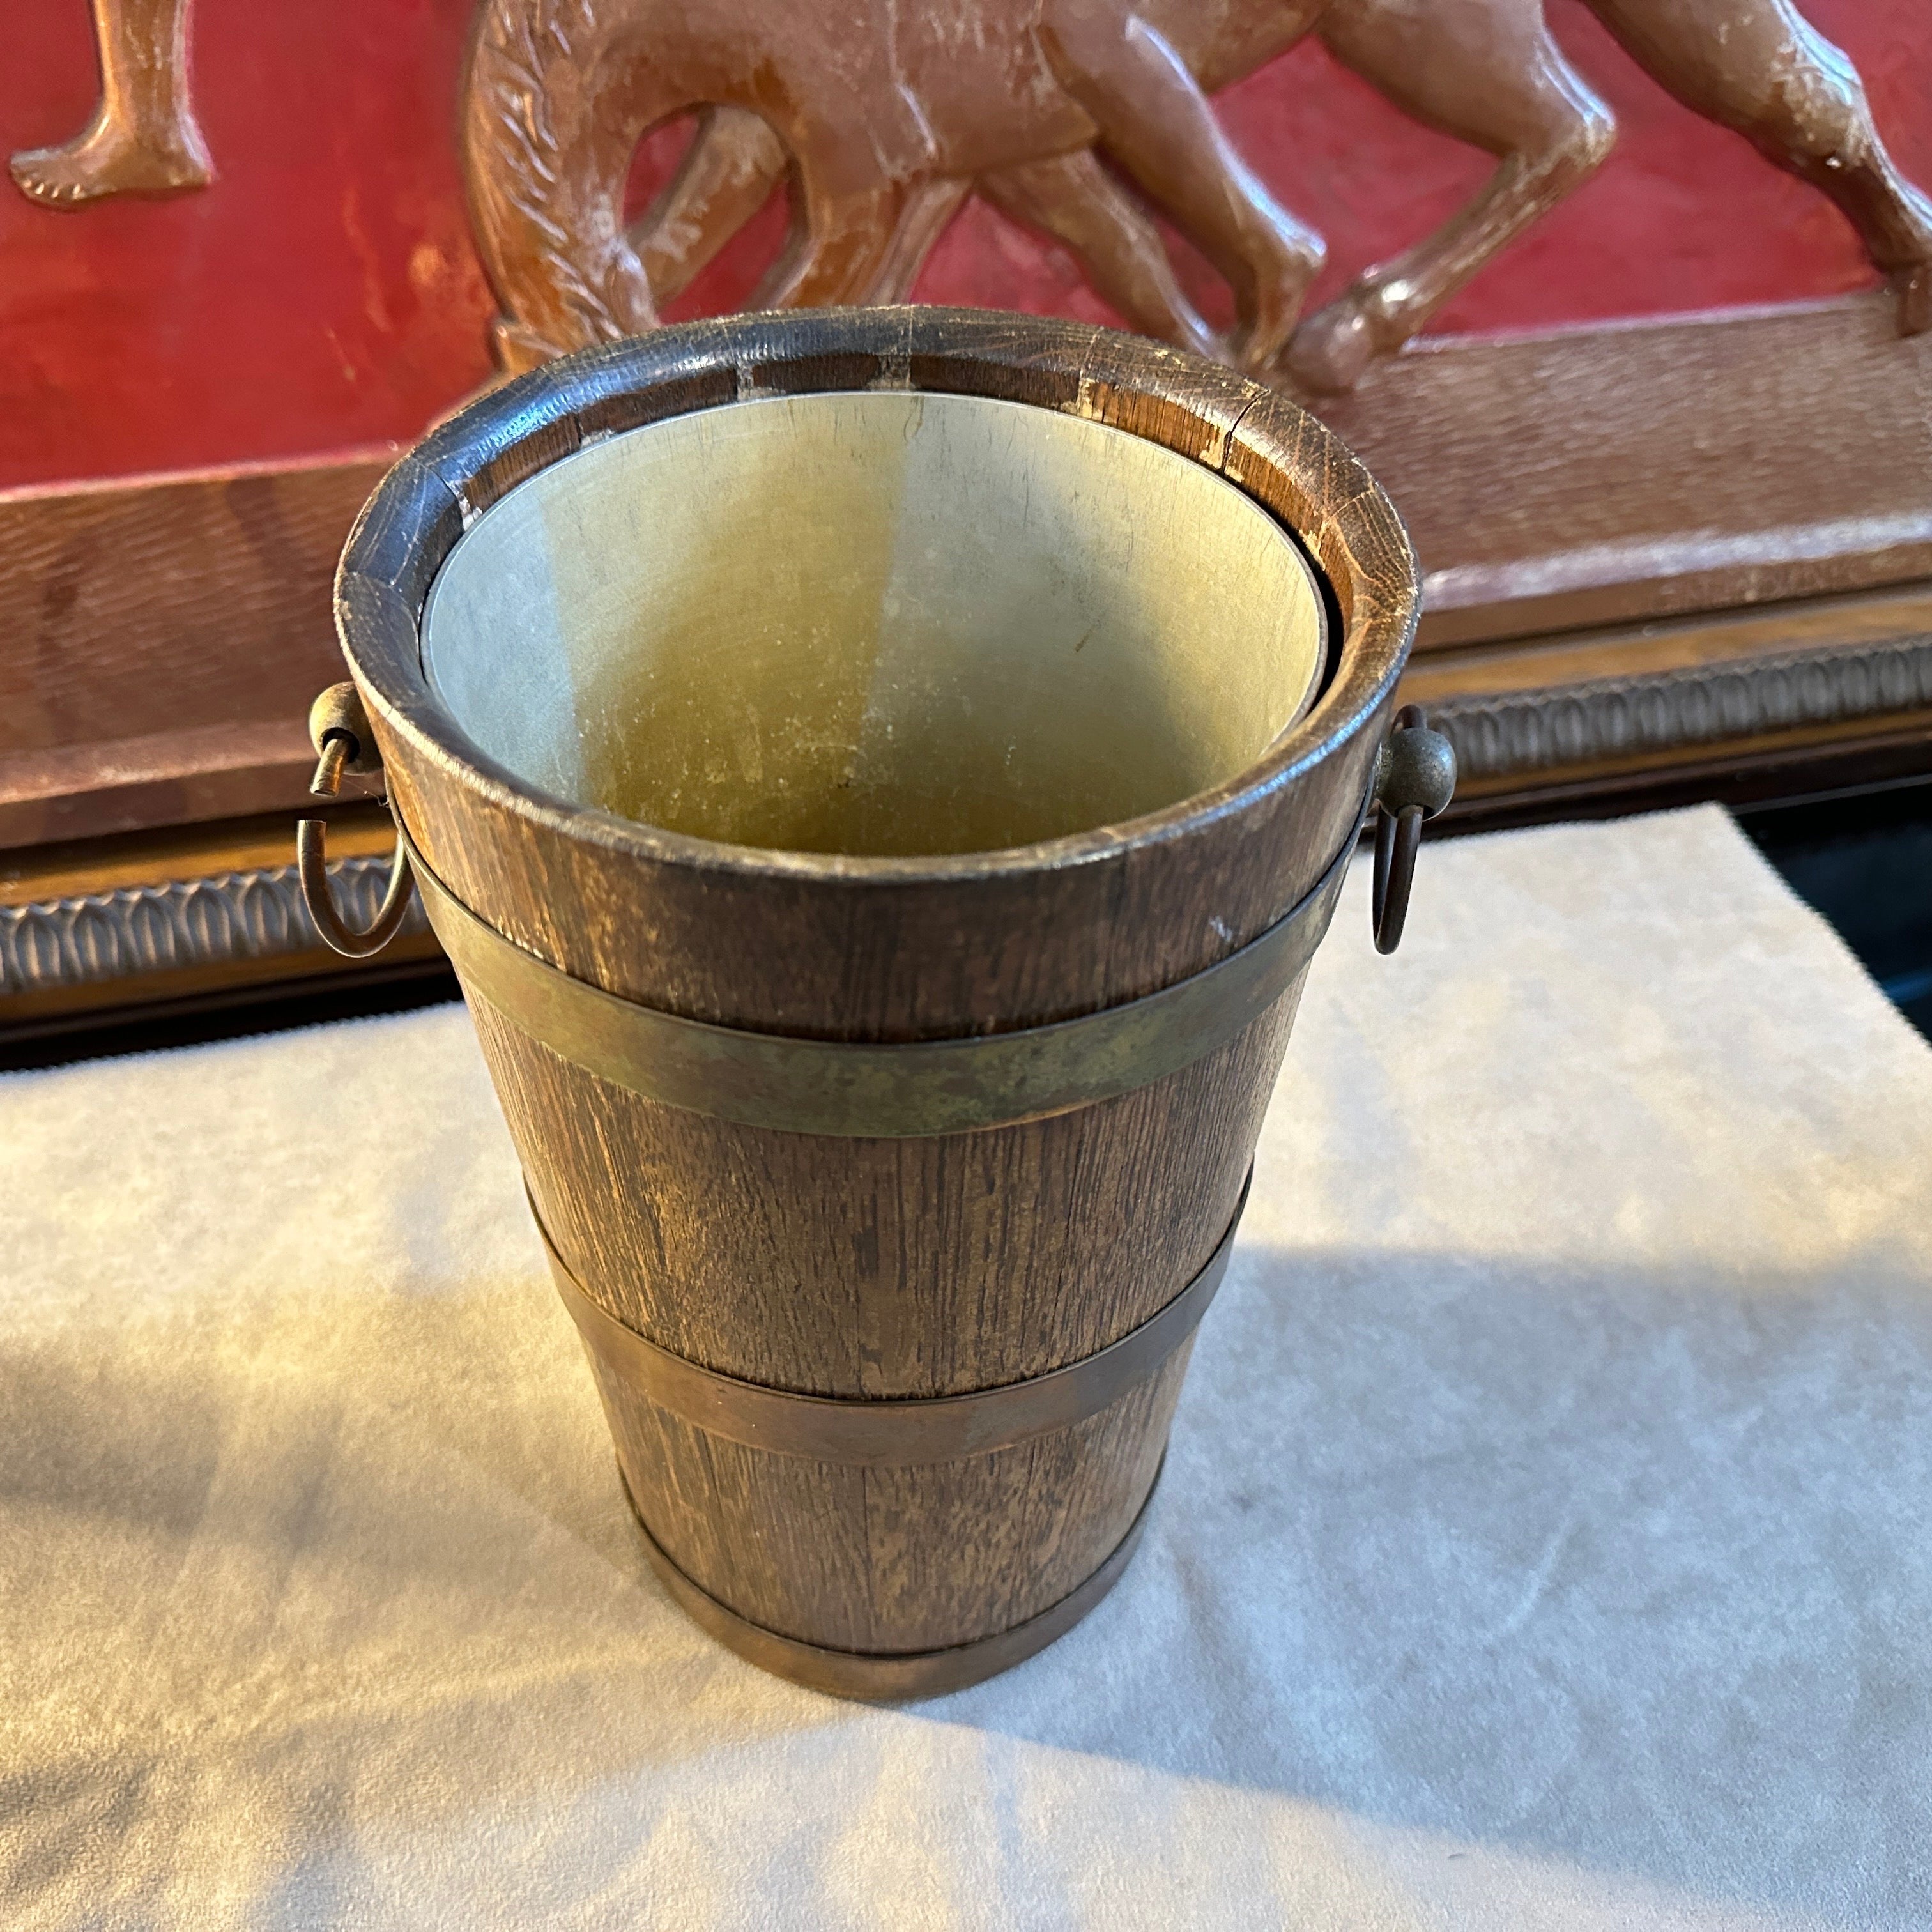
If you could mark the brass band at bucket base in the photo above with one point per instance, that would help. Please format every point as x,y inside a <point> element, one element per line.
<point>890,1676</point>
<point>863,1089</point>
<point>890,1431</point>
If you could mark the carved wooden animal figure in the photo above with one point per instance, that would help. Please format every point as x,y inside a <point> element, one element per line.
<point>889,116</point>
<point>143,138</point>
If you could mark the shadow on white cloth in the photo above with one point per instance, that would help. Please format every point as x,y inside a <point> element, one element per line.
<point>1543,1541</point>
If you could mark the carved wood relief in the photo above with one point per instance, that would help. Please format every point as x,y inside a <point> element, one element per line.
<point>884,120</point>
<point>1082,119</point>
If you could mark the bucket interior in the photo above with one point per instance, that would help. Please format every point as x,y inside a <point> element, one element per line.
<point>875,622</point>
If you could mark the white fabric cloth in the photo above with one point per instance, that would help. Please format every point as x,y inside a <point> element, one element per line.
<point>1543,1541</point>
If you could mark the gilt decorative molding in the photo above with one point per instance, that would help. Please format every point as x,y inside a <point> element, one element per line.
<point>132,932</point>
<point>1519,733</point>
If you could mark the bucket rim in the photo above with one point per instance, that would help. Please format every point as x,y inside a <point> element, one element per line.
<point>1255,438</point>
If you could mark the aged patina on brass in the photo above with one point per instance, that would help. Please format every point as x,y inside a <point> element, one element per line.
<point>889,1091</point>
<point>886,1432</point>
<point>765,1279</point>
<point>890,1677</point>
<point>685,1063</point>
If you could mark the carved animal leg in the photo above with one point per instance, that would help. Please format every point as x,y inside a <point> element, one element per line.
<point>1758,66</point>
<point>143,139</point>
<point>836,256</point>
<point>922,220</point>
<point>1487,72</point>
<point>1155,121</point>
<point>1074,199</point>
<point>734,162</point>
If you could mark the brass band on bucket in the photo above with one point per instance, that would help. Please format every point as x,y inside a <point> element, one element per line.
<point>890,1431</point>
<point>887,1677</point>
<point>863,1089</point>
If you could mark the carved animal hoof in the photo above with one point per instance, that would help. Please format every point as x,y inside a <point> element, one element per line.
<point>1257,346</point>
<point>1332,349</point>
<point>1268,317</point>
<point>1912,288</point>
<point>108,159</point>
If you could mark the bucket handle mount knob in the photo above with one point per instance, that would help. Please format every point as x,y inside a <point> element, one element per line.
<point>338,727</point>
<point>1415,778</point>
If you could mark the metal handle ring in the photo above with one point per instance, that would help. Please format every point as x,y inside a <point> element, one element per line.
<point>1415,780</point>
<point>339,728</point>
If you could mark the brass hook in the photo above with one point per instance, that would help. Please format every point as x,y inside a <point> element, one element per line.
<point>339,728</point>
<point>1415,780</point>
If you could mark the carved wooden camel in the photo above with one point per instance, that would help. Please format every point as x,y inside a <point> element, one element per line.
<point>889,116</point>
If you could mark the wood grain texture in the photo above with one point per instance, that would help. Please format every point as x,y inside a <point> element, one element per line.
<point>1755,634</point>
<point>894,1560</point>
<point>164,638</point>
<point>888,949</point>
<point>1592,476</point>
<point>880,1268</point>
<point>170,631</point>
<point>860,1268</point>
<point>913,1268</point>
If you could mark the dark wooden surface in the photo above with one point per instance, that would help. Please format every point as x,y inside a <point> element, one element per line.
<point>865,1268</point>
<point>1790,699</point>
<point>1117,918</point>
<point>163,638</point>
<point>884,1268</point>
<point>891,1560</point>
<point>1597,475</point>
<point>170,632</point>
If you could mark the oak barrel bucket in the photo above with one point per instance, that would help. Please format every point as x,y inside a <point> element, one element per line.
<point>881,776</point>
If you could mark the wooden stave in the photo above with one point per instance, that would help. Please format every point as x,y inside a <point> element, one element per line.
<point>826,1578</point>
